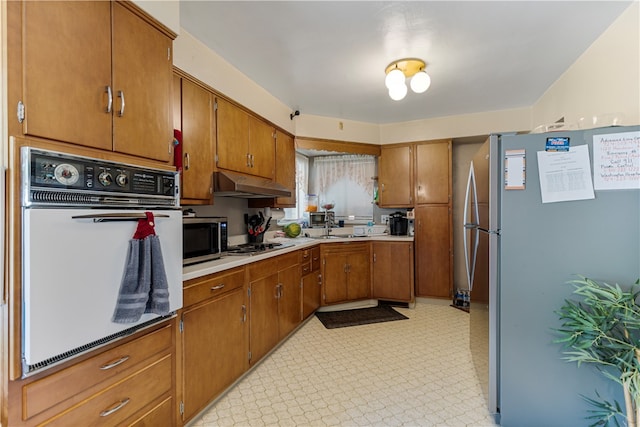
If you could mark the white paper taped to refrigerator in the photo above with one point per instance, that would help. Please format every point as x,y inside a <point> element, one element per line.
<point>514,169</point>
<point>616,161</point>
<point>565,175</point>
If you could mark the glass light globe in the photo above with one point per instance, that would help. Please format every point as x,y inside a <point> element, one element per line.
<point>394,78</point>
<point>398,92</point>
<point>420,82</point>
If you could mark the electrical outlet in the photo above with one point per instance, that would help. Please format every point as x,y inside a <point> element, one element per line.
<point>384,219</point>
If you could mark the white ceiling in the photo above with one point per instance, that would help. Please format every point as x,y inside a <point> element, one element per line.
<point>328,58</point>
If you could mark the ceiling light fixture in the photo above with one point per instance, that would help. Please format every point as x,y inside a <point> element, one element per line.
<point>398,71</point>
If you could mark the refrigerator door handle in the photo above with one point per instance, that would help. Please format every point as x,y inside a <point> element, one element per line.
<point>470,251</point>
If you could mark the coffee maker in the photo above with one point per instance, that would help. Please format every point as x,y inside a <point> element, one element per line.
<point>398,224</point>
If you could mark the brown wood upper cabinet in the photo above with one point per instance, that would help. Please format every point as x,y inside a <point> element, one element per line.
<point>245,143</point>
<point>198,127</point>
<point>93,73</point>
<point>395,176</point>
<point>433,172</point>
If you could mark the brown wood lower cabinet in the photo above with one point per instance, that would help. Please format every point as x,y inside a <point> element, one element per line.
<point>214,337</point>
<point>434,258</point>
<point>129,384</point>
<point>311,281</point>
<point>345,272</point>
<point>392,271</point>
<point>274,302</point>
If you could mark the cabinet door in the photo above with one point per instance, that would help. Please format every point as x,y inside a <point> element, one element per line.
<point>392,270</point>
<point>285,173</point>
<point>197,146</point>
<point>289,302</point>
<point>433,254</point>
<point>142,87</point>
<point>359,282</point>
<point>233,137</point>
<point>214,349</point>
<point>66,53</point>
<point>395,186</point>
<point>433,171</point>
<point>334,278</point>
<point>263,328</point>
<point>262,148</point>
<point>311,293</point>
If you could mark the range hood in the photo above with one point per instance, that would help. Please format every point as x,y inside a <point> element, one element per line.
<point>232,184</point>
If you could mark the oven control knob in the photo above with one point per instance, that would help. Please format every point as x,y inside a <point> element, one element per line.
<point>122,180</point>
<point>66,174</point>
<point>105,178</point>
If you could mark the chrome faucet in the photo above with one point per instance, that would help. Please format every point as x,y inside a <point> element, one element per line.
<point>328,222</point>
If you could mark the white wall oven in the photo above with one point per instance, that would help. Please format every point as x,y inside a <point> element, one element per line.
<point>79,216</point>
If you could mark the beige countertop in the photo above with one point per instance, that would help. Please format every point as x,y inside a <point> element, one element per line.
<point>231,261</point>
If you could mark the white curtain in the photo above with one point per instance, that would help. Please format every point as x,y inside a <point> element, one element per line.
<point>346,180</point>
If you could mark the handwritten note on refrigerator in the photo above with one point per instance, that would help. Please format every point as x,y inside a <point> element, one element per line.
<point>565,175</point>
<point>616,161</point>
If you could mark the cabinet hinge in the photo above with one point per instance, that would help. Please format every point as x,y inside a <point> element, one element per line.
<point>216,159</point>
<point>249,355</point>
<point>181,327</point>
<point>20,112</point>
<point>181,408</point>
<point>215,105</point>
<point>249,292</point>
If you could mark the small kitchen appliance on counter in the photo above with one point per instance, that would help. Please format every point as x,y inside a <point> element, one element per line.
<point>204,238</point>
<point>398,224</point>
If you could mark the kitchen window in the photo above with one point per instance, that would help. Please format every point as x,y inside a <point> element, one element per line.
<point>343,179</point>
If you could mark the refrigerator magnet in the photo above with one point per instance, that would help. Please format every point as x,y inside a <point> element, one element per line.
<point>557,143</point>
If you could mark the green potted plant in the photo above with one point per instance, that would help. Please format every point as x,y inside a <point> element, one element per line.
<point>603,329</point>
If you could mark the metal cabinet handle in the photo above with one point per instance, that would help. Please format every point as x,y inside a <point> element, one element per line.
<point>113,364</point>
<point>121,96</point>
<point>374,257</point>
<point>244,313</point>
<point>107,89</point>
<point>319,279</point>
<point>115,407</point>
<point>248,160</point>
<point>187,162</point>
<point>251,156</point>
<point>217,287</point>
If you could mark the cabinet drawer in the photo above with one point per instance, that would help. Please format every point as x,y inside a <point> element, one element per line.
<point>123,399</point>
<point>315,258</point>
<point>160,415</point>
<point>305,255</point>
<point>203,288</point>
<point>54,389</point>
<point>288,260</point>
<point>305,268</point>
<point>261,269</point>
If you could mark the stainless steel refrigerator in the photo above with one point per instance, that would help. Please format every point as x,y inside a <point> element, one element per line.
<point>521,253</point>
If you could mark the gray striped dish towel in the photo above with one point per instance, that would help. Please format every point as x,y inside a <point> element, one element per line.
<point>144,287</point>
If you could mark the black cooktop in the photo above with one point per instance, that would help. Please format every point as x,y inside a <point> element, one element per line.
<point>254,248</point>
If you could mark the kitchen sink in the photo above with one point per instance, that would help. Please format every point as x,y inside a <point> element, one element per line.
<point>338,236</point>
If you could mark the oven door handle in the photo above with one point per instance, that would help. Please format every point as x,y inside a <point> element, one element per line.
<point>116,217</point>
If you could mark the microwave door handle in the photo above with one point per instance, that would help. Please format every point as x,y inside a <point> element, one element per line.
<point>116,216</point>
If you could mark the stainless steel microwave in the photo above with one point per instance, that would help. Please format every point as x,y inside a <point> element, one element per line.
<point>319,219</point>
<point>203,239</point>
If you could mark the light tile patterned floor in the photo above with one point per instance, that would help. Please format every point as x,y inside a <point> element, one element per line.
<point>415,372</point>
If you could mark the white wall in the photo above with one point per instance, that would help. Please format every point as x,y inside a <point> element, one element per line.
<point>605,79</point>
<point>193,57</point>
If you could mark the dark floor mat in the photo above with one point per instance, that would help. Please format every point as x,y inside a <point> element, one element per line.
<point>359,316</point>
